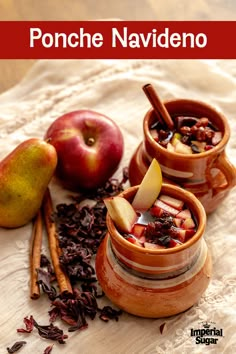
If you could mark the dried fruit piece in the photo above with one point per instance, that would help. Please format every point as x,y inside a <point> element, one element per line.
<point>216,138</point>
<point>29,325</point>
<point>108,313</point>
<point>48,349</point>
<point>162,327</point>
<point>51,332</point>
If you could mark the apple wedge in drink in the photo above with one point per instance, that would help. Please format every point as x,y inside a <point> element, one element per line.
<point>122,213</point>
<point>149,188</point>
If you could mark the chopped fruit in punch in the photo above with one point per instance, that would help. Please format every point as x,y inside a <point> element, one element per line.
<point>190,135</point>
<point>164,222</point>
<point>170,227</point>
<point>173,202</point>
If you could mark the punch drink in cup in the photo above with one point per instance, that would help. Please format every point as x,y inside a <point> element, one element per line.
<point>153,278</point>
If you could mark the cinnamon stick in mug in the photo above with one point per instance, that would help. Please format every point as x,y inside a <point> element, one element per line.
<point>158,106</point>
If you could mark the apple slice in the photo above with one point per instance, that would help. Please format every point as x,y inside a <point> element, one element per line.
<point>177,222</point>
<point>149,188</point>
<point>188,224</point>
<point>156,211</point>
<point>121,212</point>
<point>183,148</point>
<point>184,214</point>
<point>173,202</point>
<point>142,240</point>
<point>170,147</point>
<point>176,139</point>
<point>138,230</point>
<point>185,235</point>
<point>181,235</point>
<point>165,207</point>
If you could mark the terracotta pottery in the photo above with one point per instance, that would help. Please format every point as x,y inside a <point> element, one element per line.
<point>160,282</point>
<point>209,175</point>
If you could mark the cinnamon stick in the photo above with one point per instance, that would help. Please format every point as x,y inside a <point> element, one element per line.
<point>35,255</point>
<point>158,106</point>
<point>55,251</point>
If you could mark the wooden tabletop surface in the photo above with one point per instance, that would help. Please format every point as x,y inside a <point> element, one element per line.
<point>12,71</point>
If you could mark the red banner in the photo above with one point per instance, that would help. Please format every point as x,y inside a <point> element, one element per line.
<point>117,40</point>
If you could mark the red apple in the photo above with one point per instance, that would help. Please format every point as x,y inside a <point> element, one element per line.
<point>89,146</point>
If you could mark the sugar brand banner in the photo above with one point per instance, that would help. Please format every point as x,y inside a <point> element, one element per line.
<point>117,39</point>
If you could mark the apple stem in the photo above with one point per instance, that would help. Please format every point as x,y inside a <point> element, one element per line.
<point>90,141</point>
<point>158,106</point>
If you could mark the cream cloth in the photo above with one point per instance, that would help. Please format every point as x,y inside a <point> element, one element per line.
<point>52,88</point>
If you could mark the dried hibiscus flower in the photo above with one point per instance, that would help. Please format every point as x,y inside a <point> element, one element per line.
<point>108,313</point>
<point>162,327</point>
<point>84,227</point>
<point>45,263</point>
<point>51,332</point>
<point>29,325</point>
<point>44,280</point>
<point>73,309</point>
<point>16,346</point>
<point>48,349</point>
<point>81,228</point>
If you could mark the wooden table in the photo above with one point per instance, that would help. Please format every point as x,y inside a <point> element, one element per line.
<point>12,71</point>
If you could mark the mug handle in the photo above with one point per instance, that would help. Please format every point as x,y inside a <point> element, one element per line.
<point>223,164</point>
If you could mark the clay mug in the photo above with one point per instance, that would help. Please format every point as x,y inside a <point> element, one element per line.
<point>155,282</point>
<point>209,175</point>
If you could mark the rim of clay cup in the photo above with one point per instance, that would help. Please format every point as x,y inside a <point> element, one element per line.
<point>189,198</point>
<point>215,149</point>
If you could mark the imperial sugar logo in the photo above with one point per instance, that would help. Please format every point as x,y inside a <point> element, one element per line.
<point>208,334</point>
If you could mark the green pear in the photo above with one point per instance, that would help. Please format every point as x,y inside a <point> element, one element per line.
<point>24,177</point>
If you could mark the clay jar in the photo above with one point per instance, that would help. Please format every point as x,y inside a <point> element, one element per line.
<point>155,283</point>
<point>209,175</point>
